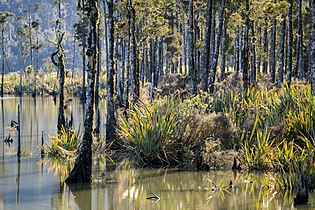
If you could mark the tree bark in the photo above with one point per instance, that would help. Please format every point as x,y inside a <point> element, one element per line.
<point>289,43</point>
<point>236,51</point>
<point>281,52</point>
<point>110,120</point>
<point>223,52</point>
<point>265,61</point>
<point>206,50</point>
<point>191,48</point>
<point>82,171</point>
<point>215,55</point>
<point>272,61</point>
<point>312,72</point>
<point>245,60</point>
<point>298,69</point>
<point>61,68</point>
<point>253,70</point>
<point>134,55</point>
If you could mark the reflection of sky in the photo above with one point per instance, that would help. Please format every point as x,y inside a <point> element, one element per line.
<point>35,119</point>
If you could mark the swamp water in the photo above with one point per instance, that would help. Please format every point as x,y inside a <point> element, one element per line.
<point>31,184</point>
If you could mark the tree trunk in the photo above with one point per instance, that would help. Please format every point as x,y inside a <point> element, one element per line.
<point>97,83</point>
<point>223,52</point>
<point>272,61</point>
<point>184,61</point>
<point>82,171</point>
<point>191,48</point>
<point>298,69</point>
<point>206,50</point>
<point>289,43</point>
<point>61,68</point>
<point>265,62</point>
<point>253,70</point>
<point>215,56</point>
<point>83,92</point>
<point>281,52</point>
<point>236,51</point>
<point>134,55</point>
<point>312,72</point>
<point>245,60</point>
<point>110,120</point>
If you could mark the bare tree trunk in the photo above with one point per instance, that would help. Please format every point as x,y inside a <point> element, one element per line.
<point>223,52</point>
<point>265,62</point>
<point>236,51</point>
<point>272,62</point>
<point>184,61</point>
<point>312,72</point>
<point>298,69</point>
<point>134,55</point>
<point>82,171</point>
<point>245,60</point>
<point>206,50</point>
<point>83,92</point>
<point>281,53</point>
<point>215,55</point>
<point>110,120</point>
<point>253,70</point>
<point>191,48</point>
<point>61,68</point>
<point>289,43</point>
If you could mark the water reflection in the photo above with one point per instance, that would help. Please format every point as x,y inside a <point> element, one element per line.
<point>27,183</point>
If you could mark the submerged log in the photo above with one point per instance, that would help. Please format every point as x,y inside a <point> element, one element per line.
<point>302,194</point>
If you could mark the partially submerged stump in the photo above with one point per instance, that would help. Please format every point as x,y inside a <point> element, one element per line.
<point>302,194</point>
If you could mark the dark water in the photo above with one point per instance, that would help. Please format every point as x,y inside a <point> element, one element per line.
<point>30,184</point>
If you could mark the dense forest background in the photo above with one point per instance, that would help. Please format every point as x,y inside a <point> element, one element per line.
<point>17,33</point>
<point>278,32</point>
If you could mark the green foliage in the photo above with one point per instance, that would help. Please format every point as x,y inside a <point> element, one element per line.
<point>63,144</point>
<point>148,132</point>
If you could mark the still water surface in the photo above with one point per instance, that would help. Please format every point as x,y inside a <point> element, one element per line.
<point>30,184</point>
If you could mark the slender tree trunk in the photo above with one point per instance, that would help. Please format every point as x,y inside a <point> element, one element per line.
<point>298,69</point>
<point>253,70</point>
<point>111,121</point>
<point>73,57</point>
<point>191,48</point>
<point>236,51</point>
<point>143,67</point>
<point>83,92</point>
<point>272,62</point>
<point>281,52</point>
<point>134,55</point>
<point>106,34</point>
<point>258,54</point>
<point>206,50</point>
<point>289,43</point>
<point>82,171</point>
<point>312,73</point>
<point>97,83</point>
<point>223,52</point>
<point>61,68</point>
<point>245,60</point>
<point>184,63</point>
<point>120,69</point>
<point>215,56</point>
<point>265,61</point>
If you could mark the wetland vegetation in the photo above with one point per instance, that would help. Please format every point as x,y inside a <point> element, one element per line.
<point>214,99</point>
